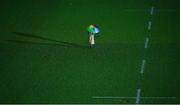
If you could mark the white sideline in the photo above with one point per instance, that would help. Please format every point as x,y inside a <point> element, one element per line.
<point>143,66</point>
<point>118,97</point>
<point>138,96</point>
<point>112,97</point>
<point>152,10</point>
<point>146,43</point>
<point>149,25</point>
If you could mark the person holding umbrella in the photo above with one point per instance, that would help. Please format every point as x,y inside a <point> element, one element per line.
<point>92,30</point>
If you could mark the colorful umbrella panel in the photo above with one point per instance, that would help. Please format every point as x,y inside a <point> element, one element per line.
<point>93,29</point>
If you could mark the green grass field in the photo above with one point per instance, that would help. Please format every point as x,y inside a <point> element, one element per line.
<point>45,58</point>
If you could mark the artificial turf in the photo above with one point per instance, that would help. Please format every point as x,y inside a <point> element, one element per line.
<point>45,56</point>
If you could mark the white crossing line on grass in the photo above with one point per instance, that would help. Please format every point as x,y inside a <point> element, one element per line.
<point>146,43</point>
<point>169,10</point>
<point>143,66</point>
<point>149,25</point>
<point>112,97</point>
<point>135,10</point>
<point>159,97</point>
<point>138,96</point>
<point>118,97</point>
<point>152,10</point>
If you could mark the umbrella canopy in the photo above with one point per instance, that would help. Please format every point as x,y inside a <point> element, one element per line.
<point>93,29</point>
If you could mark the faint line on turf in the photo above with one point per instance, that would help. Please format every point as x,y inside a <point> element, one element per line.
<point>112,97</point>
<point>159,97</point>
<point>152,10</point>
<point>138,96</point>
<point>143,66</point>
<point>149,25</point>
<point>146,43</point>
<point>136,10</point>
<point>119,97</point>
<point>146,10</point>
<point>168,10</point>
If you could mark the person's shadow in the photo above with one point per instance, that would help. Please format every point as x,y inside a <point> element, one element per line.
<point>61,43</point>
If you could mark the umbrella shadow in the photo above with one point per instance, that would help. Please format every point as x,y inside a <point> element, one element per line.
<point>61,43</point>
<point>35,43</point>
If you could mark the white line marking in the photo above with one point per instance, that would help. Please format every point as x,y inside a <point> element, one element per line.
<point>143,66</point>
<point>152,10</point>
<point>147,10</point>
<point>168,10</point>
<point>159,97</point>
<point>146,43</point>
<point>138,96</point>
<point>136,10</point>
<point>149,25</point>
<point>112,97</point>
<point>117,97</point>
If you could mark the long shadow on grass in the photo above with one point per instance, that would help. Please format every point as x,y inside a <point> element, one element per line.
<point>61,43</point>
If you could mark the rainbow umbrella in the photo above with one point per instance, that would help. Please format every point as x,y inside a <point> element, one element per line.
<point>93,29</point>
